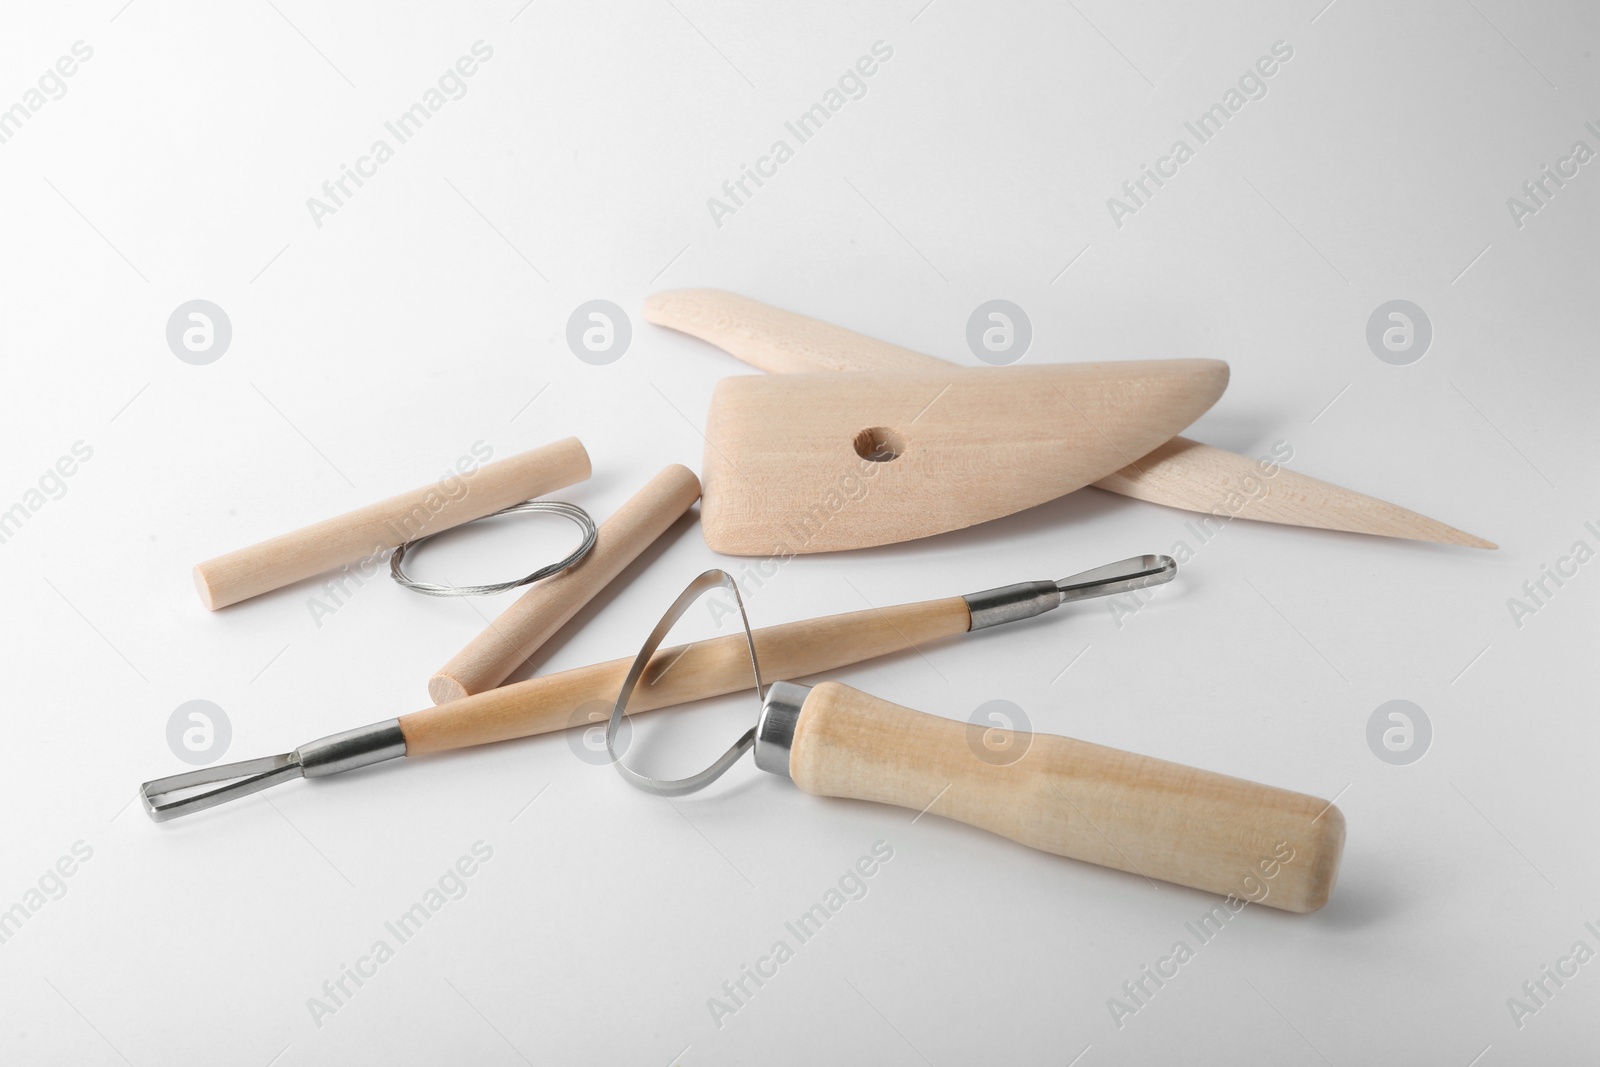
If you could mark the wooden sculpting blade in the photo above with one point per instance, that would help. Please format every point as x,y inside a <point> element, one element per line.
<point>1181,473</point>
<point>1187,474</point>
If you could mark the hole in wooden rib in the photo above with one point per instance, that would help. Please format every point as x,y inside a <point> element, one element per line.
<point>879,444</point>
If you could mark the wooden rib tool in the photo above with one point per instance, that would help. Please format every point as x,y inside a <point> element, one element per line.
<point>1181,473</point>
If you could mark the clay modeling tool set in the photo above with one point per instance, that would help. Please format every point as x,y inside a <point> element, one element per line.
<point>850,442</point>
<point>673,676</point>
<point>1071,798</point>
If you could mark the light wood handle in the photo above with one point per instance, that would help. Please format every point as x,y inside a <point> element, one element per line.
<point>681,674</point>
<point>379,527</point>
<point>519,631</point>
<point>1072,798</point>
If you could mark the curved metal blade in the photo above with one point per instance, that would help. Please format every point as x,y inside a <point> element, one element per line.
<point>1123,576</point>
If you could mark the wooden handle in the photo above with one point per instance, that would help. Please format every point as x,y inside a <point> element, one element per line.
<point>546,607</point>
<point>453,500</point>
<point>678,675</point>
<point>1071,798</point>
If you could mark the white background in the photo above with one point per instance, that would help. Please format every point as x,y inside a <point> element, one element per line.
<point>429,313</point>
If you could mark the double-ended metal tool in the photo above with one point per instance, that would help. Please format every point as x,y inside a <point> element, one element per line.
<point>672,676</point>
<point>1247,841</point>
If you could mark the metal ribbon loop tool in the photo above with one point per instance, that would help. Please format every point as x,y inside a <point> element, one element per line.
<point>1070,798</point>
<point>707,581</point>
<point>771,735</point>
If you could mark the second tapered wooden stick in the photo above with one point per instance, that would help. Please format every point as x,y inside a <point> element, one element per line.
<point>519,631</point>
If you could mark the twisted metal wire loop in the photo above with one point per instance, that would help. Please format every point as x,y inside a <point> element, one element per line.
<point>547,507</point>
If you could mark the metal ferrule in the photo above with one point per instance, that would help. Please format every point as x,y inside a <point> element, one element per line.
<point>1009,603</point>
<point>350,749</point>
<point>780,714</point>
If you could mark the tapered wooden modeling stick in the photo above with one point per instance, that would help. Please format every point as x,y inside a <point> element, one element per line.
<point>519,631</point>
<point>1135,813</point>
<point>673,676</point>
<point>382,526</point>
<point>1181,473</point>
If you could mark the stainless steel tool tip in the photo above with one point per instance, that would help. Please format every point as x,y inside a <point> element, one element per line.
<point>1009,603</point>
<point>1123,576</point>
<point>180,794</point>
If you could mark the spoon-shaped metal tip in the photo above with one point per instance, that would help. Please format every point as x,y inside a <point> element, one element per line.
<point>1123,576</point>
<point>181,794</point>
<point>1009,603</point>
